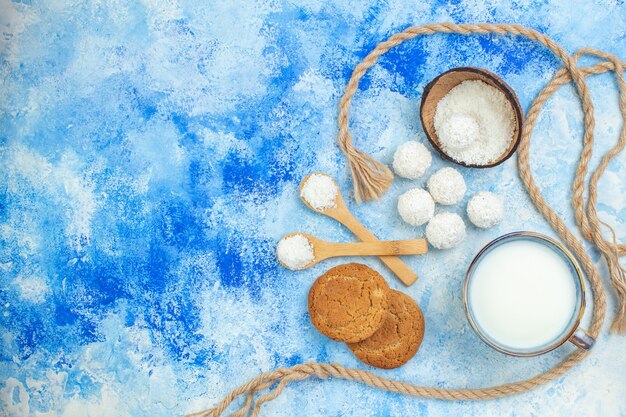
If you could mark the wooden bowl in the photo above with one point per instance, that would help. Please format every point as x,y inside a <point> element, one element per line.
<point>441,85</point>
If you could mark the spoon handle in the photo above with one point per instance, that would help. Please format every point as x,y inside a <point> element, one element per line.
<point>402,270</point>
<point>376,248</point>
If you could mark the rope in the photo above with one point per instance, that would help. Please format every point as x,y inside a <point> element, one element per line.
<point>587,219</point>
<point>372,178</point>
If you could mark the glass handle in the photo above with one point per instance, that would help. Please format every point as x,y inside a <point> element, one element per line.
<point>582,339</point>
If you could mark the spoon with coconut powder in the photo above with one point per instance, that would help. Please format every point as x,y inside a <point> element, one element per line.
<point>300,251</point>
<point>320,193</point>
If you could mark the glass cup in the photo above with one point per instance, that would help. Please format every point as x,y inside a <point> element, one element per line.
<point>571,330</point>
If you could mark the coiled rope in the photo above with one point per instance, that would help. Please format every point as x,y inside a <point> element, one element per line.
<point>372,178</point>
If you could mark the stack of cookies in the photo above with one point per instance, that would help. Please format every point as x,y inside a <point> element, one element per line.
<point>352,303</point>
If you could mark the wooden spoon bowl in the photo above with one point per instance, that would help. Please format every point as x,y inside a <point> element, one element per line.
<point>440,86</point>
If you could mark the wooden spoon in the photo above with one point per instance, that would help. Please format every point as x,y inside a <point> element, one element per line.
<point>324,250</point>
<point>341,213</point>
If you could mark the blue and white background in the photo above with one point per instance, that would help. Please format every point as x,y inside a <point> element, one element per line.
<point>151,153</point>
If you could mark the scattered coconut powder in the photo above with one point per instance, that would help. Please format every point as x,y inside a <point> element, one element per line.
<point>470,104</point>
<point>295,251</point>
<point>320,192</point>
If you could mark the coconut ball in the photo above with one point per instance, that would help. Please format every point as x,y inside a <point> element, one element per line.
<point>416,206</point>
<point>485,209</point>
<point>447,186</point>
<point>445,230</point>
<point>411,160</point>
<point>458,132</point>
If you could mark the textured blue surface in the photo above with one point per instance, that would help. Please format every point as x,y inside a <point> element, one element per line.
<point>151,154</point>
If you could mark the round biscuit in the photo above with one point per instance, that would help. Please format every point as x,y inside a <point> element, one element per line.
<point>399,337</point>
<point>349,302</point>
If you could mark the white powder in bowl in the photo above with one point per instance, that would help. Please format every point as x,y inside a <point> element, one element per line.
<point>485,209</point>
<point>447,186</point>
<point>416,206</point>
<point>490,109</point>
<point>459,132</point>
<point>411,160</point>
<point>445,230</point>
<point>320,192</point>
<point>295,251</point>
